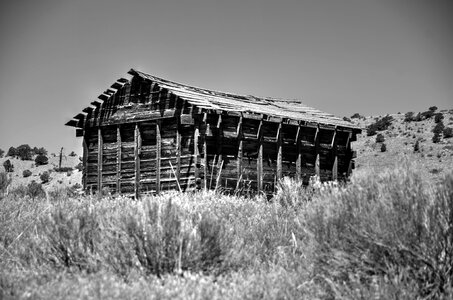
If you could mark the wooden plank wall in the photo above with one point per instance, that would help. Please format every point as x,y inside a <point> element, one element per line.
<point>177,143</point>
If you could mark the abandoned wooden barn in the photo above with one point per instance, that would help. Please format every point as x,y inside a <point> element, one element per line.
<point>147,134</point>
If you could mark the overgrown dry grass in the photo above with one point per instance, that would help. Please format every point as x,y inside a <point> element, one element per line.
<point>382,236</point>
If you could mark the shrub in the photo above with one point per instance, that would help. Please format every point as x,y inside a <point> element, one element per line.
<point>63,169</point>
<point>409,116</point>
<point>438,117</point>
<point>448,132</point>
<point>72,154</point>
<point>436,138</point>
<point>26,173</point>
<point>380,138</point>
<point>24,152</point>
<point>417,146</point>
<point>41,160</point>
<point>35,190</point>
<point>2,152</point>
<point>40,151</point>
<point>45,177</point>
<point>383,147</point>
<point>356,116</point>
<point>427,114</point>
<point>418,117</point>
<point>379,125</point>
<point>433,108</point>
<point>9,167</point>
<point>12,152</point>
<point>5,181</point>
<point>79,166</point>
<point>439,128</point>
<point>346,119</point>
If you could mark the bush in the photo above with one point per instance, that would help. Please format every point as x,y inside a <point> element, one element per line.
<point>379,125</point>
<point>380,138</point>
<point>409,117</point>
<point>45,177</point>
<point>41,160</point>
<point>5,181</point>
<point>79,166</point>
<point>418,118</point>
<point>383,147</point>
<point>12,152</point>
<point>427,114</point>
<point>72,154</point>
<point>346,119</point>
<point>35,190</point>
<point>436,138</point>
<point>439,128</point>
<point>417,146</point>
<point>356,116</point>
<point>433,108</point>
<point>24,152</point>
<point>26,173</point>
<point>9,167</point>
<point>63,169</point>
<point>448,132</point>
<point>438,117</point>
<point>2,152</point>
<point>40,151</point>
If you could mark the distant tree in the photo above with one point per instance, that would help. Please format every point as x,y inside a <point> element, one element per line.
<point>383,147</point>
<point>356,116</point>
<point>409,116</point>
<point>26,173</point>
<point>2,152</point>
<point>12,152</point>
<point>439,128</point>
<point>380,138</point>
<point>427,114</point>
<point>344,119</point>
<point>72,153</point>
<point>433,108</point>
<point>418,118</point>
<point>9,167</point>
<point>448,132</point>
<point>438,117</point>
<point>380,124</point>
<point>45,177</point>
<point>24,152</point>
<point>41,160</point>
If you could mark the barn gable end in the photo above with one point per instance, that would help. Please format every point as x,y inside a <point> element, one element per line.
<point>147,135</point>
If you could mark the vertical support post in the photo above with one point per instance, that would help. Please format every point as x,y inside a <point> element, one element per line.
<point>100,147</point>
<point>219,146</point>
<point>205,152</point>
<point>335,155</point>
<point>196,151</point>
<point>240,153</point>
<point>137,150</point>
<point>259,162</point>
<point>118,159</point>
<point>299,155</point>
<point>85,161</point>
<point>317,161</point>
<point>178,151</point>
<point>158,154</point>
<point>279,152</point>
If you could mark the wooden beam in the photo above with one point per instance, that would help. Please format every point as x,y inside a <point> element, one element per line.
<point>259,163</point>
<point>279,152</point>
<point>158,154</point>
<point>335,169</point>
<point>240,153</point>
<point>178,151</point>
<point>100,150</point>
<point>137,150</point>
<point>205,155</point>
<point>219,148</point>
<point>85,161</point>
<point>196,152</point>
<point>299,155</point>
<point>118,159</point>
<point>335,156</point>
<point>317,161</point>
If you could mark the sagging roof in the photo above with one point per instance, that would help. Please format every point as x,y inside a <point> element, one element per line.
<point>208,99</point>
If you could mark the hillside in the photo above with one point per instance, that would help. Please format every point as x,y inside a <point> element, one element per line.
<point>433,159</point>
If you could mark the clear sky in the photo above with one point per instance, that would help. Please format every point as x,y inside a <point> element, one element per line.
<point>340,56</point>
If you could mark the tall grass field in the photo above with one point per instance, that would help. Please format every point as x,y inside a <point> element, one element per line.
<point>383,235</point>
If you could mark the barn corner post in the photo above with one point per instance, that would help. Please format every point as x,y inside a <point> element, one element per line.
<point>100,163</point>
